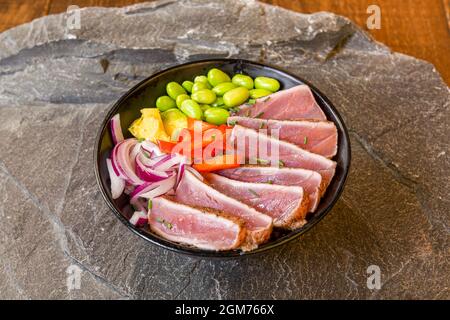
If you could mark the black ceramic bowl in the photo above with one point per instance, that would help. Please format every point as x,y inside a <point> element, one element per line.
<point>145,94</point>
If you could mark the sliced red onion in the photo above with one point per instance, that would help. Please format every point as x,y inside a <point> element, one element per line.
<point>116,129</point>
<point>168,164</point>
<point>151,162</point>
<point>139,218</point>
<point>162,187</point>
<point>148,174</point>
<point>151,148</point>
<point>122,161</point>
<point>116,166</point>
<point>114,162</point>
<point>195,172</point>
<point>162,160</point>
<point>134,152</point>
<point>117,183</point>
<point>180,173</point>
<point>139,189</point>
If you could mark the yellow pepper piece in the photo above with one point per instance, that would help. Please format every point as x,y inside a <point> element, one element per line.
<point>174,120</point>
<point>134,128</point>
<point>149,126</point>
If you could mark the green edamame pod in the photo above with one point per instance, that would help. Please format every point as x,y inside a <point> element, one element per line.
<point>242,80</point>
<point>223,87</point>
<point>216,76</point>
<point>181,98</point>
<point>202,79</point>
<point>204,96</point>
<point>174,90</point>
<point>204,107</point>
<point>199,86</point>
<point>218,103</point>
<point>191,109</point>
<point>267,84</point>
<point>259,93</point>
<point>164,103</point>
<point>187,85</point>
<point>235,97</point>
<point>216,116</point>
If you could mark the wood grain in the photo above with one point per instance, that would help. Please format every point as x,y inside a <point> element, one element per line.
<point>417,28</point>
<point>13,13</point>
<point>414,27</point>
<point>446,4</point>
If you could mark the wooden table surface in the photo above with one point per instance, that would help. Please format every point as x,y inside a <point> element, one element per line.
<point>414,27</point>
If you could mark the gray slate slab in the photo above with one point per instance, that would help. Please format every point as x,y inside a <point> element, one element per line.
<point>56,85</point>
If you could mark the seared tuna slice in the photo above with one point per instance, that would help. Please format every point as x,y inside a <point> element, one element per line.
<point>315,136</point>
<point>192,191</point>
<point>201,228</point>
<point>259,148</point>
<point>287,205</point>
<point>310,181</point>
<point>291,104</point>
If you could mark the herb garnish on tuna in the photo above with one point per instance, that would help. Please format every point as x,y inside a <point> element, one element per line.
<point>261,161</point>
<point>167,224</point>
<point>253,192</point>
<point>259,115</point>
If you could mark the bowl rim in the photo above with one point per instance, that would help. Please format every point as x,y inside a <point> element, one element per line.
<point>192,251</point>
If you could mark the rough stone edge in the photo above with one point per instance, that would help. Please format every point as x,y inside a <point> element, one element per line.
<point>9,35</point>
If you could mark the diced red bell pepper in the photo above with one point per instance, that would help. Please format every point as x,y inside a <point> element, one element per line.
<point>226,161</point>
<point>224,128</point>
<point>166,146</point>
<point>182,148</point>
<point>204,125</point>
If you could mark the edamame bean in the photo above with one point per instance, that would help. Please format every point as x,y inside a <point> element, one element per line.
<point>218,103</point>
<point>267,84</point>
<point>173,120</point>
<point>204,96</point>
<point>235,97</point>
<point>204,107</point>
<point>216,116</point>
<point>216,76</point>
<point>199,86</point>
<point>181,98</point>
<point>242,80</point>
<point>187,85</point>
<point>164,103</point>
<point>191,109</point>
<point>258,93</point>
<point>174,90</point>
<point>223,87</point>
<point>203,79</point>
